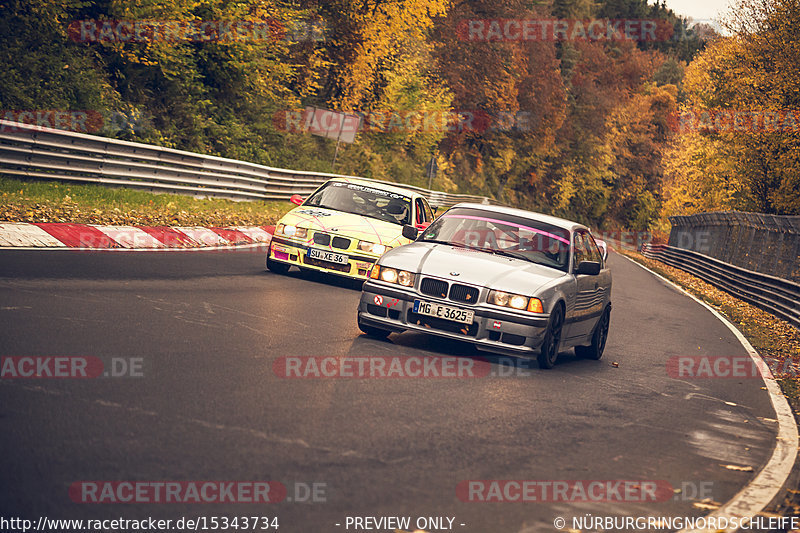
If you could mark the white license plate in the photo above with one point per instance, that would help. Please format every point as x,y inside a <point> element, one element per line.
<point>446,312</point>
<point>331,257</point>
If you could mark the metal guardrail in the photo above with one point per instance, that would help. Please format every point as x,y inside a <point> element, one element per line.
<point>769,244</point>
<point>30,151</point>
<point>777,296</point>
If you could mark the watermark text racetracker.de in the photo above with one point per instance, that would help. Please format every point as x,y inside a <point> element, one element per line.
<point>491,30</point>
<point>70,367</point>
<point>201,492</point>
<point>77,120</point>
<point>739,121</point>
<point>510,490</point>
<point>407,121</point>
<point>400,367</point>
<point>726,367</point>
<point>195,31</point>
<point>581,491</point>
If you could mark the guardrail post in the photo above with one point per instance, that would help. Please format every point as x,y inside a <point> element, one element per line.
<point>736,237</point>
<point>779,251</point>
<point>794,260</point>
<point>747,255</point>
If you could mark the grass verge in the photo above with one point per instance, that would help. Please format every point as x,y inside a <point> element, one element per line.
<point>51,201</point>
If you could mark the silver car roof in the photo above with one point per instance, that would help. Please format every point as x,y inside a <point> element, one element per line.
<point>532,215</point>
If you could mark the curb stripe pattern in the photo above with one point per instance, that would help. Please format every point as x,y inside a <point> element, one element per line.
<point>130,237</point>
<point>14,235</point>
<point>98,237</point>
<point>78,235</point>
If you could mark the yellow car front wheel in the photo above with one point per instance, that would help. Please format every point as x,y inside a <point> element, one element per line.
<point>276,267</point>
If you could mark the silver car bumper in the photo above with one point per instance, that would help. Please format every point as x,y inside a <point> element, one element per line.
<point>493,329</point>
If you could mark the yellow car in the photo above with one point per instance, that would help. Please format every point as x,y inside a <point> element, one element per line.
<point>345,226</point>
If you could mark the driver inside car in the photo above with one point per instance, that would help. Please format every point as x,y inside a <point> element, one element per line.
<point>398,211</point>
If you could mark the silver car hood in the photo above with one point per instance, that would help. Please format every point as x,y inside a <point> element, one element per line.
<point>473,267</point>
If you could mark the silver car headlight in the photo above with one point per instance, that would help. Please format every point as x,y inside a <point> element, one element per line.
<point>392,275</point>
<point>515,301</point>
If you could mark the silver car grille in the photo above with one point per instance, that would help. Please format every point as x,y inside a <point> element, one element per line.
<point>456,292</point>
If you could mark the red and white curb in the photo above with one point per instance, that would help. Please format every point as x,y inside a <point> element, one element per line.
<point>98,237</point>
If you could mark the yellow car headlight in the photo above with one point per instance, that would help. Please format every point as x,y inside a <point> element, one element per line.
<point>292,231</point>
<point>371,247</point>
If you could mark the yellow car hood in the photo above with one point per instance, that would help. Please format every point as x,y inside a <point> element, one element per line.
<point>346,224</point>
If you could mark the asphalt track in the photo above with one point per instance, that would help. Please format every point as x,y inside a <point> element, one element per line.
<point>208,327</point>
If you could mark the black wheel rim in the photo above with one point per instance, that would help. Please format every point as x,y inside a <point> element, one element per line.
<point>555,337</point>
<point>603,333</point>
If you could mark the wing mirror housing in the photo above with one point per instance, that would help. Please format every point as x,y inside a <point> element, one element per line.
<point>410,232</point>
<point>296,199</point>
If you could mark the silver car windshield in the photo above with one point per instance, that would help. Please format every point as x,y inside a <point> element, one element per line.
<point>363,200</point>
<point>501,234</point>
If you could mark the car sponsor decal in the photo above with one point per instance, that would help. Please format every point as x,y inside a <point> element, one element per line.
<point>377,233</point>
<point>364,188</point>
<point>314,213</point>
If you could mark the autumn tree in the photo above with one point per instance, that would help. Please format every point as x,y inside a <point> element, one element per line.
<point>751,162</point>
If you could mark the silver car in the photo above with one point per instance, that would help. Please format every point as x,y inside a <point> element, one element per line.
<point>506,280</point>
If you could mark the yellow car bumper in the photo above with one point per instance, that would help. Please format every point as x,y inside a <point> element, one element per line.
<point>286,252</point>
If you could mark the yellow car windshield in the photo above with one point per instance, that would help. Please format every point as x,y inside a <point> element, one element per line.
<point>363,200</point>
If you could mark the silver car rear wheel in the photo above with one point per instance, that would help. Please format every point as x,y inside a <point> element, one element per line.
<point>595,350</point>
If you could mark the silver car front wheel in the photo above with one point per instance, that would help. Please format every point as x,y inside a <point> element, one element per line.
<point>552,339</point>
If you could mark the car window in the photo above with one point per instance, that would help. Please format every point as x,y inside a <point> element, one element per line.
<point>580,253</point>
<point>428,210</point>
<point>420,212</point>
<point>592,249</point>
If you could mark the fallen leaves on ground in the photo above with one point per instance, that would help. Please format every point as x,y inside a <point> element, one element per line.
<point>706,505</point>
<point>738,468</point>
